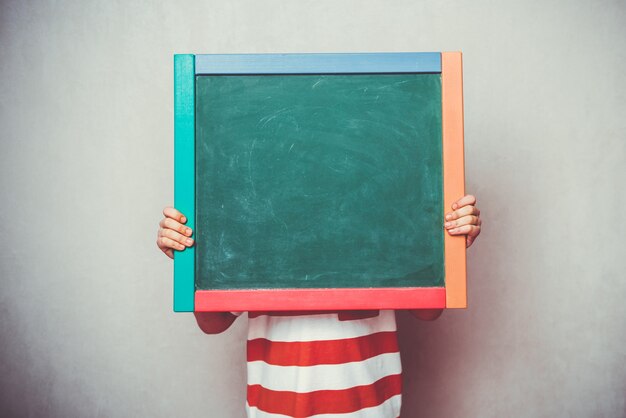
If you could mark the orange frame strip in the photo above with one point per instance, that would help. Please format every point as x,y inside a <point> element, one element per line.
<point>454,173</point>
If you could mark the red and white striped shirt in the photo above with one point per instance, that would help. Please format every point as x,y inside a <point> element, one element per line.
<point>325,365</point>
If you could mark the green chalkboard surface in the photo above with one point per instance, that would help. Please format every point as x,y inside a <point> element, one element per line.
<point>319,181</point>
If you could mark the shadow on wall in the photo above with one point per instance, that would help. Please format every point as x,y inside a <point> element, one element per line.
<point>445,367</point>
<point>430,388</point>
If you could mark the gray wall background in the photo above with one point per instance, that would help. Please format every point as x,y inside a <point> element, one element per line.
<point>86,165</point>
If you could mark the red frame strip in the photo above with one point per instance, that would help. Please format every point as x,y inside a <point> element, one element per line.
<point>320,299</point>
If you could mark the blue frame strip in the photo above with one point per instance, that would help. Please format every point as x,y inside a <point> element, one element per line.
<point>355,63</point>
<point>184,175</point>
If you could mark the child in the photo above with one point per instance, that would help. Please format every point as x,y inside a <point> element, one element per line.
<point>342,364</point>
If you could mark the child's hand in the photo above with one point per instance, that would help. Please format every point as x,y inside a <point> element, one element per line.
<point>173,235</point>
<point>465,219</point>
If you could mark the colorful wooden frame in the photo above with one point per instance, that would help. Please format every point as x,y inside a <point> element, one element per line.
<point>448,64</point>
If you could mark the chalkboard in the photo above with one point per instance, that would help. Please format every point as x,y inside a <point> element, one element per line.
<point>318,181</point>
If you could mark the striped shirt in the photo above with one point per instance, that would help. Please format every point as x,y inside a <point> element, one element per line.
<point>325,365</point>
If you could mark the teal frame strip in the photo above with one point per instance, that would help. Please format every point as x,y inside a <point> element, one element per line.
<point>184,175</point>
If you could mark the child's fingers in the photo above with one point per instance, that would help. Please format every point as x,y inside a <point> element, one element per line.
<point>175,236</point>
<point>464,211</point>
<point>464,201</point>
<point>472,230</point>
<point>170,212</point>
<point>169,223</point>
<point>465,220</point>
<point>165,242</point>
